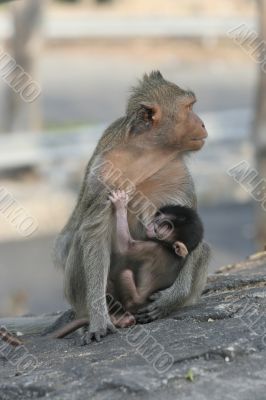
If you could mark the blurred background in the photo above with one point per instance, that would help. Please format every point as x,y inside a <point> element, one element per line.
<point>66,68</point>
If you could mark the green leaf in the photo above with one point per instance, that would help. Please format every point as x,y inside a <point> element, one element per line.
<point>190,375</point>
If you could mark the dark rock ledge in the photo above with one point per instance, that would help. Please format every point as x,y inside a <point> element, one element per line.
<point>213,350</point>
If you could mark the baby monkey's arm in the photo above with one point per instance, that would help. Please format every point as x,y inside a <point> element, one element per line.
<point>119,198</point>
<point>125,244</point>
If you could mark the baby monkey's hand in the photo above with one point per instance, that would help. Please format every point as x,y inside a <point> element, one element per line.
<point>119,198</point>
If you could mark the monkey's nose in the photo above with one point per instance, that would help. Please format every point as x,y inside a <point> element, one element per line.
<point>203,125</point>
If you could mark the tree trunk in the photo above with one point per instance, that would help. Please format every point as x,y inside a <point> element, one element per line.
<point>260,128</point>
<point>24,47</point>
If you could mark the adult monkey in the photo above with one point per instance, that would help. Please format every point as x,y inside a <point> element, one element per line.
<point>148,145</point>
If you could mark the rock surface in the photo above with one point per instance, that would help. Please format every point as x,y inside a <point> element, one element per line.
<point>213,350</point>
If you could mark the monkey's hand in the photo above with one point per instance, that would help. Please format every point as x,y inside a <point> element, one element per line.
<point>97,331</point>
<point>119,198</point>
<point>158,307</point>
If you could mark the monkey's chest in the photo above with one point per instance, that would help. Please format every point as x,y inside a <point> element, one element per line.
<point>170,180</point>
<point>134,166</point>
<point>168,186</point>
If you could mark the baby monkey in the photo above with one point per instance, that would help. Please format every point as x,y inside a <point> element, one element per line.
<point>139,267</point>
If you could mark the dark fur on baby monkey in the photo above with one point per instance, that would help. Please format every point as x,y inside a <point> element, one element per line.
<point>142,267</point>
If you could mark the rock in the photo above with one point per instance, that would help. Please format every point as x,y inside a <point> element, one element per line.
<point>213,350</point>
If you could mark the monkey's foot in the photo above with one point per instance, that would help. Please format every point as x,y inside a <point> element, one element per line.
<point>151,311</point>
<point>97,334</point>
<point>124,320</point>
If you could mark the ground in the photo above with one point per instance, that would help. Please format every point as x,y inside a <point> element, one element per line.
<point>213,350</point>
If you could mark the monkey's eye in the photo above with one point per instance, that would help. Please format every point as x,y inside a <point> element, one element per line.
<point>164,226</point>
<point>163,229</point>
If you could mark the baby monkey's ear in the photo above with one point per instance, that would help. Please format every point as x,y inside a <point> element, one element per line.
<point>180,249</point>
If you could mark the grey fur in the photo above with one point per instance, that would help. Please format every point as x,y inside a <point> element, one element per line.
<point>83,248</point>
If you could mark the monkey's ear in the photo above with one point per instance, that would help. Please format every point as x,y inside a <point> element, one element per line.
<point>180,249</point>
<point>153,75</point>
<point>152,113</point>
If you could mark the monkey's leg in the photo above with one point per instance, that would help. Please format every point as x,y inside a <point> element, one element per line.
<point>118,314</point>
<point>96,236</point>
<point>96,273</point>
<point>137,296</point>
<point>129,293</point>
<point>186,289</point>
<point>119,317</point>
<point>200,275</point>
<point>74,279</point>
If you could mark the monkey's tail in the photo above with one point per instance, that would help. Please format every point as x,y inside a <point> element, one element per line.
<point>65,318</point>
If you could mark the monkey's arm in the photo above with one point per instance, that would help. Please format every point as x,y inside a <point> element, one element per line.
<point>95,238</point>
<point>125,244</point>
<point>186,289</point>
<point>124,241</point>
<point>88,259</point>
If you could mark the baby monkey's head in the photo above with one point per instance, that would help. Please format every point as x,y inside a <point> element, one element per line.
<point>178,228</point>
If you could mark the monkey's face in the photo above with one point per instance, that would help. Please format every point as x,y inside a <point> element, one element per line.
<point>161,228</point>
<point>190,131</point>
<point>173,124</point>
<point>163,116</point>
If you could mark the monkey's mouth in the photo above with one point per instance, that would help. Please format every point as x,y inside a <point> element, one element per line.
<point>200,139</point>
<point>150,232</point>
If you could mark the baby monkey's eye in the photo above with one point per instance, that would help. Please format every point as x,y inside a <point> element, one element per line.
<point>165,225</point>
